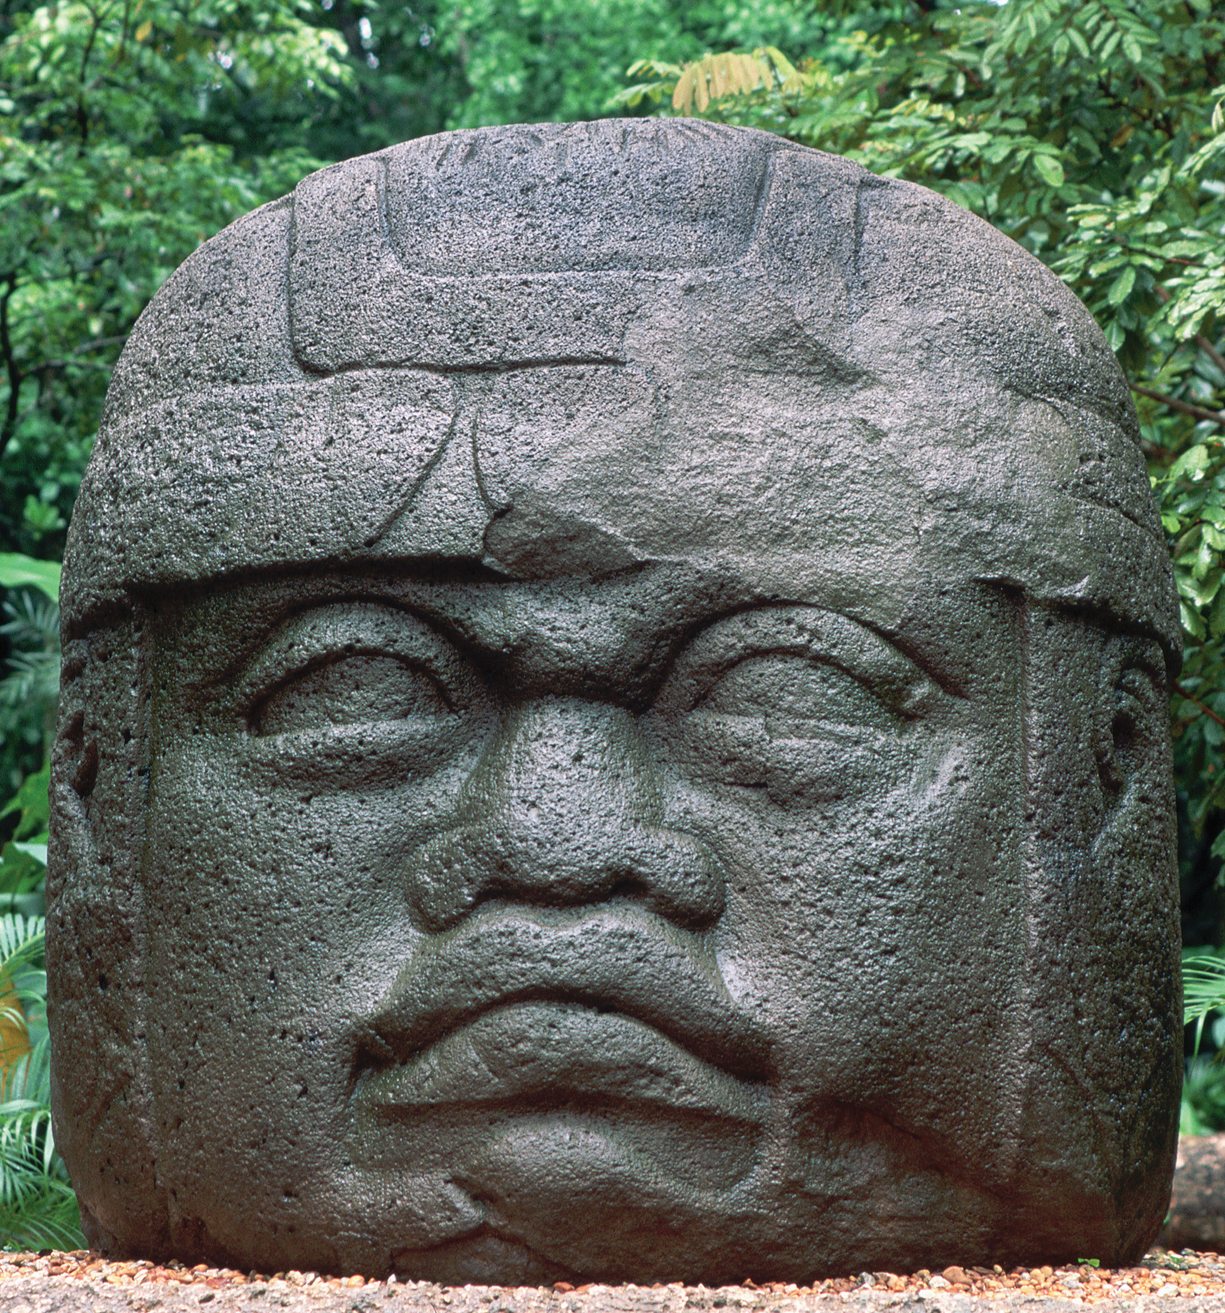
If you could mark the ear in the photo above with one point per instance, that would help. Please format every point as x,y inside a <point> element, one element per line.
<point>101,1104</point>
<point>1130,731</point>
<point>1101,1110</point>
<point>1134,852</point>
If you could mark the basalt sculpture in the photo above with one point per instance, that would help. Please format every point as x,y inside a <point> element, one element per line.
<point>614,727</point>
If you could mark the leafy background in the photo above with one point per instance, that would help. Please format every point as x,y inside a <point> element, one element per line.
<point>1090,131</point>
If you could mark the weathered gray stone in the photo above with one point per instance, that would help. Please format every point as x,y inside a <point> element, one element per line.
<point>614,726</point>
<point>1197,1203</point>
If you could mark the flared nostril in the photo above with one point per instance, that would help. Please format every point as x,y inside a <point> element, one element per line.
<point>565,810</point>
<point>672,873</point>
<point>435,882</point>
<point>627,889</point>
<point>686,883</point>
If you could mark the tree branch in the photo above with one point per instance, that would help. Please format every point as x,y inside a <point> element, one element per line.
<point>1185,407</point>
<point>13,374</point>
<point>98,344</point>
<point>123,32</point>
<point>1195,702</point>
<point>82,113</point>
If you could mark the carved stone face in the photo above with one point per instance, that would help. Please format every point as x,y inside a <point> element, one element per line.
<point>666,842</point>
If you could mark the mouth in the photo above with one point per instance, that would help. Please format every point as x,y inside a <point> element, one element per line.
<point>556,1053</point>
<point>532,1007</point>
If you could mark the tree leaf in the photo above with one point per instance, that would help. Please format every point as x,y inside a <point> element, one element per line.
<point>682,95</point>
<point>1050,169</point>
<point>17,571</point>
<point>1192,464</point>
<point>1120,289</point>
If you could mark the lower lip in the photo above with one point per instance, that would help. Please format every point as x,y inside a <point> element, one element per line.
<point>537,1053</point>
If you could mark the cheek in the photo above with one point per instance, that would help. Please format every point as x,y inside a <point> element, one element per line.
<point>253,884</point>
<point>885,924</point>
<point>243,946</point>
<point>276,919</point>
<point>245,868</point>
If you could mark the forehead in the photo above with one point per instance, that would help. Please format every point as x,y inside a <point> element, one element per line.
<point>590,515</point>
<point>795,482</point>
<point>584,518</point>
<point>600,467</point>
<point>659,459</point>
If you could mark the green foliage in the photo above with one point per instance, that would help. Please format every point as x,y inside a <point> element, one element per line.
<point>17,570</point>
<point>37,1206</point>
<point>1203,1102</point>
<point>509,50</point>
<point>29,677</point>
<point>420,68</point>
<point>23,859</point>
<point>1203,1097</point>
<point>508,61</point>
<point>1203,983</point>
<point>1093,133</point>
<point>128,134</point>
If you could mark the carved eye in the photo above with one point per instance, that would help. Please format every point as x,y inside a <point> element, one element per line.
<point>790,691</point>
<point>801,706</point>
<point>352,689</point>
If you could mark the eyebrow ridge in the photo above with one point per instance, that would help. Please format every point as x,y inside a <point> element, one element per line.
<point>300,614</point>
<point>907,651</point>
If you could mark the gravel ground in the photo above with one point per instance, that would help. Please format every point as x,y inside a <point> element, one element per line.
<point>82,1283</point>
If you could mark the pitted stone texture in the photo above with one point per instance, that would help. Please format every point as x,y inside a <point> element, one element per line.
<point>614,728</point>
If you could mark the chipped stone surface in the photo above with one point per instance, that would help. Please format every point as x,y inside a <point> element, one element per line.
<point>614,726</point>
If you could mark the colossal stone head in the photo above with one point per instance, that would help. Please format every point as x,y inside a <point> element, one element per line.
<point>614,726</point>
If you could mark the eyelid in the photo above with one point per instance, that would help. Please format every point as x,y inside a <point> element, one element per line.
<point>338,630</point>
<point>823,636</point>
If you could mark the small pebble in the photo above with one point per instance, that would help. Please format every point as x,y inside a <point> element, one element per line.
<point>1187,1276</point>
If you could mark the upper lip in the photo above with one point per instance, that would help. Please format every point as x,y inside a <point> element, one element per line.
<point>617,958</point>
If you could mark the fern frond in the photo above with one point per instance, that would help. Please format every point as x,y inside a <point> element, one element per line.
<point>24,1161</point>
<point>46,1218</point>
<point>32,676</point>
<point>1203,991</point>
<point>33,621</point>
<point>28,1079</point>
<point>733,73</point>
<point>22,940</point>
<point>1203,986</point>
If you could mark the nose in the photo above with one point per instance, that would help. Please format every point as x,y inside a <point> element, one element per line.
<point>564,809</point>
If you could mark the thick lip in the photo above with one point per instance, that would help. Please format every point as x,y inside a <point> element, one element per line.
<point>537,1056</point>
<point>616,959</point>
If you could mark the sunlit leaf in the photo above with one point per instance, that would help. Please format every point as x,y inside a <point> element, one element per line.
<point>17,570</point>
<point>1120,289</point>
<point>1050,169</point>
